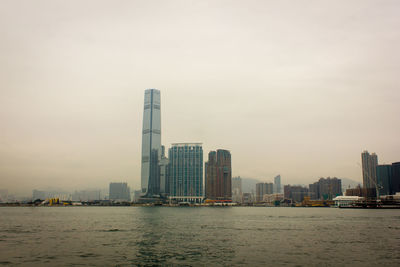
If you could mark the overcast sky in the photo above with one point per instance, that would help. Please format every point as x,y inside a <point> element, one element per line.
<point>297,88</point>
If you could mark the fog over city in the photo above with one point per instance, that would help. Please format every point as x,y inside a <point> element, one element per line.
<point>297,88</point>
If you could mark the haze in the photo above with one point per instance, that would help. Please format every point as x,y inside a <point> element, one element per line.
<point>297,88</point>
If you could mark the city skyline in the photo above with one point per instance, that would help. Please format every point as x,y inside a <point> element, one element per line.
<point>300,90</point>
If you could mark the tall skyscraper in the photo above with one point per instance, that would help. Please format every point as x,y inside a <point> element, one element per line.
<point>151,143</point>
<point>277,184</point>
<point>369,163</point>
<point>219,175</point>
<point>163,172</point>
<point>395,183</point>
<point>186,172</point>
<point>384,179</point>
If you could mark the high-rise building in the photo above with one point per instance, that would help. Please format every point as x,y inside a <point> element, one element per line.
<point>295,193</point>
<point>325,188</point>
<point>384,179</point>
<point>151,143</point>
<point>395,184</point>
<point>263,189</point>
<point>277,184</point>
<point>119,191</point>
<point>186,172</point>
<point>369,163</point>
<point>163,172</point>
<point>218,175</point>
<point>237,189</point>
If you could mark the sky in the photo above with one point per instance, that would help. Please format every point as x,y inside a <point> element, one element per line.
<point>297,88</point>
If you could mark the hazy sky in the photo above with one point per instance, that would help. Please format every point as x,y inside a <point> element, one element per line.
<point>298,88</point>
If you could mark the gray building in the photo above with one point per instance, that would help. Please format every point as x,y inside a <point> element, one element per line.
<point>277,184</point>
<point>163,172</point>
<point>295,192</point>
<point>151,143</point>
<point>237,189</point>
<point>326,188</point>
<point>186,172</point>
<point>369,163</point>
<point>263,189</point>
<point>384,179</point>
<point>395,184</point>
<point>119,192</point>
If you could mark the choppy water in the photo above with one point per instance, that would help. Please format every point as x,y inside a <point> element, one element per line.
<point>244,236</point>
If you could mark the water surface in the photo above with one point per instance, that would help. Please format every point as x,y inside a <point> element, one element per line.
<point>241,236</point>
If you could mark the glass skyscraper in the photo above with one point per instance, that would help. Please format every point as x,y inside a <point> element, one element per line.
<point>186,172</point>
<point>384,179</point>
<point>151,143</point>
<point>369,163</point>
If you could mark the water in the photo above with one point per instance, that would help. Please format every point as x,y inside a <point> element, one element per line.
<point>241,236</point>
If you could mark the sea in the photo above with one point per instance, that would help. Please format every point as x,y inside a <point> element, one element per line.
<point>198,236</point>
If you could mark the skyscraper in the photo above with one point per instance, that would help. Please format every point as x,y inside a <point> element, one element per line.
<point>369,163</point>
<point>219,175</point>
<point>151,143</point>
<point>186,172</point>
<point>384,179</point>
<point>395,183</point>
<point>277,184</point>
<point>163,172</point>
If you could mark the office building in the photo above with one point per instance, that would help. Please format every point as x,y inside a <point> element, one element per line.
<point>369,163</point>
<point>277,184</point>
<point>186,172</point>
<point>151,143</point>
<point>163,172</point>
<point>237,189</point>
<point>263,189</point>
<point>119,192</point>
<point>395,184</point>
<point>218,175</point>
<point>384,179</point>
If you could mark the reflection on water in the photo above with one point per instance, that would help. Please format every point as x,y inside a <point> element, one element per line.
<point>128,236</point>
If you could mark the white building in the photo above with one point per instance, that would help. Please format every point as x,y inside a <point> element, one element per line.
<point>346,201</point>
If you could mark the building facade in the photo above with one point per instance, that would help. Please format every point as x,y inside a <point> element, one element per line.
<point>325,188</point>
<point>296,193</point>
<point>369,163</point>
<point>277,184</point>
<point>163,172</point>
<point>263,189</point>
<point>237,189</point>
<point>119,192</point>
<point>395,184</point>
<point>186,172</point>
<point>218,175</point>
<point>151,143</point>
<point>384,179</point>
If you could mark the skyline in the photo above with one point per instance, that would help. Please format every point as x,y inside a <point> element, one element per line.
<point>297,89</point>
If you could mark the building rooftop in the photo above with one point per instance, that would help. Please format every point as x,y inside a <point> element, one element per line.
<point>186,144</point>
